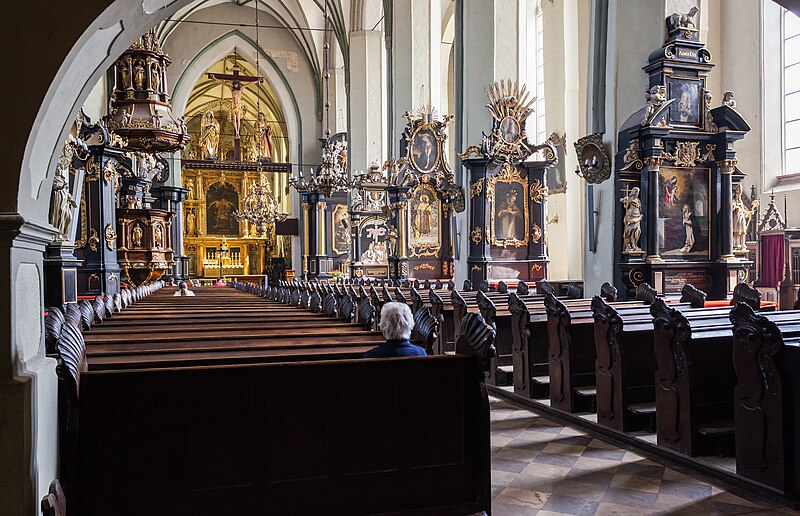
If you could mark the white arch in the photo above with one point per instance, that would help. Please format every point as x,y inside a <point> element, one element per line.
<point>222,47</point>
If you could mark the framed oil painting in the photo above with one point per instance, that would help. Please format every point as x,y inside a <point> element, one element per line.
<point>684,213</point>
<point>425,150</point>
<point>425,223</point>
<point>687,94</point>
<point>509,209</point>
<point>222,201</point>
<point>341,229</point>
<point>509,130</point>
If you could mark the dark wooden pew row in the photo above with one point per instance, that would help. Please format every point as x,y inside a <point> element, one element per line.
<point>626,363</point>
<point>766,357</point>
<point>230,439</point>
<point>531,341</point>
<point>695,380</point>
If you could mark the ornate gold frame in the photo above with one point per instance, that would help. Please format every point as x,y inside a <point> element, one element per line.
<point>426,250</point>
<point>336,211</point>
<point>508,174</point>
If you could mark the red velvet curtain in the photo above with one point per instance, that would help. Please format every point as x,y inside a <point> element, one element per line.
<point>772,254</point>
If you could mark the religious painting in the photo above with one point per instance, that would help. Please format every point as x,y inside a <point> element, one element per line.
<point>686,108</point>
<point>509,130</point>
<point>424,150</point>
<point>424,211</point>
<point>509,212</point>
<point>684,213</point>
<point>373,237</point>
<point>341,229</point>
<point>222,201</point>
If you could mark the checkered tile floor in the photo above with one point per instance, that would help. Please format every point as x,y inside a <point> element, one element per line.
<point>541,467</point>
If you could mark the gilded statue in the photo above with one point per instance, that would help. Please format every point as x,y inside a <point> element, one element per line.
<point>655,97</point>
<point>423,221</point>
<point>264,147</point>
<point>136,235</point>
<point>139,75</point>
<point>209,135</point>
<point>155,80</point>
<point>191,224</point>
<point>190,188</point>
<point>125,75</point>
<point>632,221</point>
<point>62,204</point>
<point>741,219</point>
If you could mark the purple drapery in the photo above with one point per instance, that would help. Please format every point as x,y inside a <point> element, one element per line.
<point>772,254</point>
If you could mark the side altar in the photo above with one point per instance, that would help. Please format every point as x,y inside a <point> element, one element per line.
<point>217,191</point>
<point>682,217</point>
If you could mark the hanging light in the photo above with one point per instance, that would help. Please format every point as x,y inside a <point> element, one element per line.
<point>260,208</point>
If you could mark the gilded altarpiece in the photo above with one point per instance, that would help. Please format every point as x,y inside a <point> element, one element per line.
<point>508,193</point>
<point>676,176</point>
<point>216,191</point>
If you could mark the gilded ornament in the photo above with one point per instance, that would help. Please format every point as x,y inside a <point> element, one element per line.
<point>111,237</point>
<point>536,233</point>
<point>93,239</point>
<point>631,157</point>
<point>110,171</point>
<point>476,236</point>
<point>476,188</point>
<point>538,191</point>
<point>92,170</point>
<point>424,266</point>
<point>510,106</point>
<point>536,267</point>
<point>471,151</point>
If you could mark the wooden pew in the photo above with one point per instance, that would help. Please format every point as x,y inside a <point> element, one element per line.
<point>766,357</point>
<point>695,380</point>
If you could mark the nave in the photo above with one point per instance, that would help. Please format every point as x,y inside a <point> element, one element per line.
<point>543,467</point>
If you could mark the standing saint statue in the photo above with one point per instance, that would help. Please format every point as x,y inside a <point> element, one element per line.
<point>62,204</point>
<point>209,135</point>
<point>264,147</point>
<point>139,75</point>
<point>191,223</point>
<point>741,219</point>
<point>632,221</point>
<point>688,225</point>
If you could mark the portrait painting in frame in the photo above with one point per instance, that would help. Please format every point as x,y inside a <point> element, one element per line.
<point>509,209</point>
<point>425,150</point>
<point>684,213</point>
<point>222,201</point>
<point>509,130</point>
<point>341,229</point>
<point>425,223</point>
<point>686,109</point>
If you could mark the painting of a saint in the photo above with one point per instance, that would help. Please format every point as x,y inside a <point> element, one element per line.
<point>686,108</point>
<point>509,130</point>
<point>509,212</point>
<point>221,202</point>
<point>341,229</point>
<point>424,150</point>
<point>684,211</point>
<point>424,213</point>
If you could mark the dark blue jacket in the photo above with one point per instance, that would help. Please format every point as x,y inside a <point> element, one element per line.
<point>395,348</point>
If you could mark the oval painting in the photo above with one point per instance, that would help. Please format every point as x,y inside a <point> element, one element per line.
<point>509,130</point>
<point>424,150</point>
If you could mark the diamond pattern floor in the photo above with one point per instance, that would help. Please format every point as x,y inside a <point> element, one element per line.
<point>541,467</point>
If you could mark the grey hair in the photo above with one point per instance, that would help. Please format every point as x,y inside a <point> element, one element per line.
<point>396,321</point>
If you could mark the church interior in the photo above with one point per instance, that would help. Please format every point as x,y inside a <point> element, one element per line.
<point>212,209</point>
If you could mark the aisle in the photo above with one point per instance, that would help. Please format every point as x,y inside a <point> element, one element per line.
<point>541,467</point>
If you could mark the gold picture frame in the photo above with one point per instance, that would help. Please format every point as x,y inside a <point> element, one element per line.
<point>505,191</point>
<point>425,209</point>
<point>340,234</point>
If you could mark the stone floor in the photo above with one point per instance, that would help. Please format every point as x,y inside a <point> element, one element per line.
<point>542,467</point>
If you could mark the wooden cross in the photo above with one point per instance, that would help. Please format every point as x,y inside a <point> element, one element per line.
<point>236,78</point>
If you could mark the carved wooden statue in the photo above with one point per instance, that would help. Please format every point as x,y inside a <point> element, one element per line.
<point>632,221</point>
<point>62,204</point>
<point>741,219</point>
<point>209,135</point>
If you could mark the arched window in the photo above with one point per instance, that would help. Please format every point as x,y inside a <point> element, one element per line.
<point>536,127</point>
<point>791,92</point>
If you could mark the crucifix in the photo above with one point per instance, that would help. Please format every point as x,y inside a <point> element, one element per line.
<point>237,110</point>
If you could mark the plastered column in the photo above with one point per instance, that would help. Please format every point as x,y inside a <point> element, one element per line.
<point>366,99</point>
<point>416,58</point>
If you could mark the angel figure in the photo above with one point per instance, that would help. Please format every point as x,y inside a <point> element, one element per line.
<point>741,219</point>
<point>632,221</point>
<point>209,135</point>
<point>654,98</point>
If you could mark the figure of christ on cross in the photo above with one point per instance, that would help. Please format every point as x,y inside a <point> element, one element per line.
<point>237,84</point>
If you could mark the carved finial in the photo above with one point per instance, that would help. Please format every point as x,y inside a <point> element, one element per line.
<point>727,100</point>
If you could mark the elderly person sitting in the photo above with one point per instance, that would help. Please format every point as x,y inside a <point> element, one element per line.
<point>396,325</point>
<point>184,290</point>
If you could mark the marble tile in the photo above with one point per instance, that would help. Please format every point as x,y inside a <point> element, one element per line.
<point>639,483</point>
<point>555,459</point>
<point>630,497</point>
<point>581,490</point>
<point>685,489</point>
<point>546,471</point>
<point>528,499</point>
<point>570,505</point>
<point>564,449</point>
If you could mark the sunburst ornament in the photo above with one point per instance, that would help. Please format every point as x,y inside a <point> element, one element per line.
<point>510,106</point>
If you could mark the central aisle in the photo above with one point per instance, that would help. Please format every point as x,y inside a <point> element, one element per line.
<point>541,467</point>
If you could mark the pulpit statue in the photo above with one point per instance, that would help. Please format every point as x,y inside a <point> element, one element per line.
<point>209,135</point>
<point>741,219</point>
<point>62,204</point>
